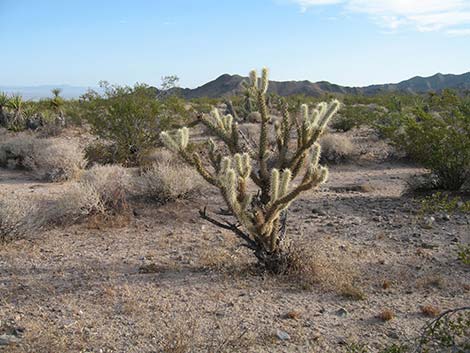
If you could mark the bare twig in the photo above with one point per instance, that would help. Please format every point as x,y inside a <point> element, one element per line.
<point>250,243</point>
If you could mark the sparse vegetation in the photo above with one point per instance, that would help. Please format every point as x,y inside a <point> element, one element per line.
<point>113,184</point>
<point>48,159</point>
<point>130,119</point>
<point>441,202</point>
<point>439,141</point>
<point>167,179</point>
<point>16,216</point>
<point>386,315</point>
<point>355,251</point>
<point>430,311</point>
<point>464,254</point>
<point>73,204</point>
<point>337,148</point>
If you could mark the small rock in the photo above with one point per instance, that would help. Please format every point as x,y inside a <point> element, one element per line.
<point>342,312</point>
<point>393,334</point>
<point>7,339</point>
<point>149,268</point>
<point>293,315</point>
<point>318,212</point>
<point>282,335</point>
<point>428,222</point>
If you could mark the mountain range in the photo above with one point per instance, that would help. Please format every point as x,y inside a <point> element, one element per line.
<point>226,85</point>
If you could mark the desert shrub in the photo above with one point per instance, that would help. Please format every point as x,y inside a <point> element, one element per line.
<point>130,118</point>
<point>113,183</point>
<point>17,216</point>
<point>100,152</point>
<point>103,190</point>
<point>56,160</point>
<point>440,142</point>
<point>168,179</point>
<point>441,202</point>
<point>354,116</point>
<point>158,156</point>
<point>74,203</point>
<point>48,159</point>
<point>309,267</point>
<point>449,332</point>
<point>336,148</point>
<point>261,215</point>
<point>127,117</point>
<point>14,150</point>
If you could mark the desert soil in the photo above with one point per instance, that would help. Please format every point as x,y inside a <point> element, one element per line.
<point>168,277</point>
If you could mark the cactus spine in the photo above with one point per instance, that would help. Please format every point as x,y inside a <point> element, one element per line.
<point>271,169</point>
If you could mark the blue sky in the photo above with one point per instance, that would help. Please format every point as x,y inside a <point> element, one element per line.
<point>349,42</point>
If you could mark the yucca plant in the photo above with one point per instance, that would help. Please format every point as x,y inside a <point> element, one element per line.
<point>3,103</point>
<point>272,168</point>
<point>57,102</point>
<point>15,103</point>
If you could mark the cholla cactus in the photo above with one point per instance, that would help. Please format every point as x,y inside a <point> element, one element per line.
<point>273,169</point>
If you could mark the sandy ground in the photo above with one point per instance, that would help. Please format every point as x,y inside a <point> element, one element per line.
<point>168,277</point>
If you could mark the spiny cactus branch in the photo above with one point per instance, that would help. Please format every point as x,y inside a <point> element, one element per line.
<point>272,168</point>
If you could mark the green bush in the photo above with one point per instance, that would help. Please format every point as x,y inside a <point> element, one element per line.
<point>438,141</point>
<point>130,118</point>
<point>125,116</point>
<point>354,116</point>
<point>464,254</point>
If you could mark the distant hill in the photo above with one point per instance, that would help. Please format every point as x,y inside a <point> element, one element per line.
<point>418,84</point>
<point>227,85</point>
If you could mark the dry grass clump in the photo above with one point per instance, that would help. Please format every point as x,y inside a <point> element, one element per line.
<point>75,203</point>
<point>430,311</point>
<point>167,180</point>
<point>309,268</point>
<point>102,192</point>
<point>56,160</point>
<point>336,148</point>
<point>113,183</point>
<point>216,258</point>
<point>350,291</point>
<point>386,315</point>
<point>50,159</point>
<point>17,216</point>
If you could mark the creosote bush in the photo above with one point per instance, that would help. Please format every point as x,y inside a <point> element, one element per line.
<point>129,119</point>
<point>261,216</point>
<point>438,141</point>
